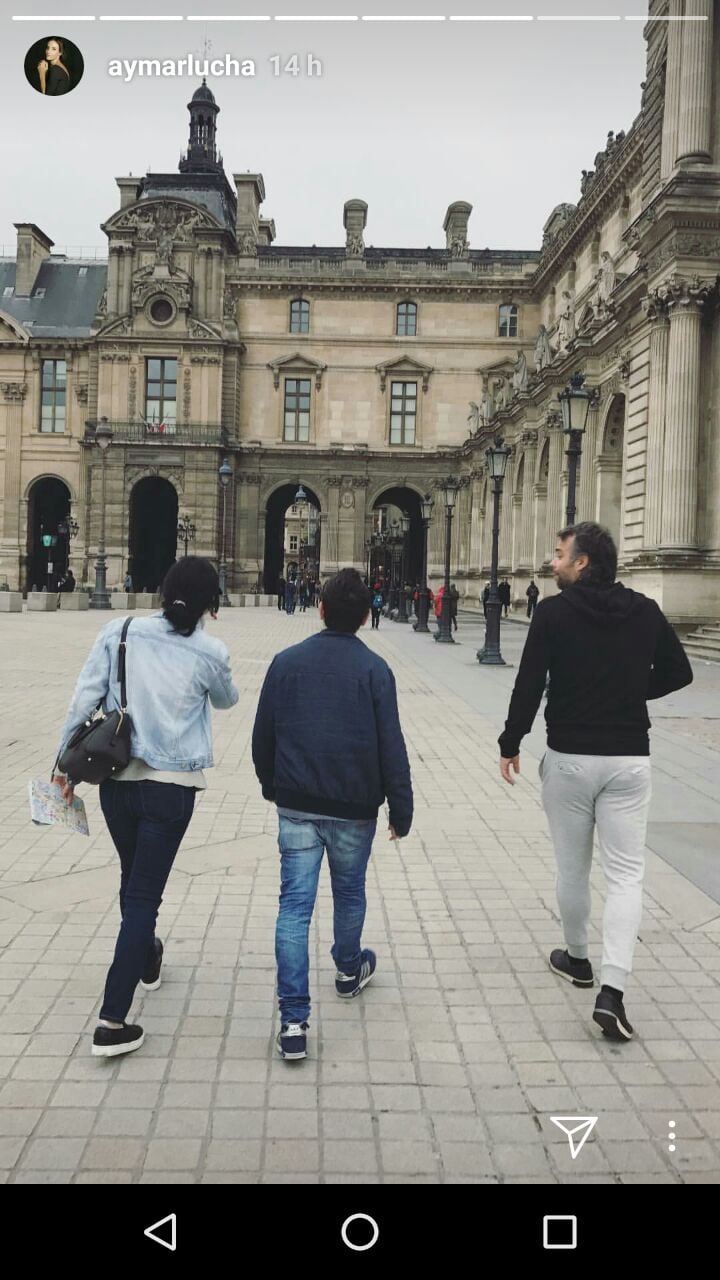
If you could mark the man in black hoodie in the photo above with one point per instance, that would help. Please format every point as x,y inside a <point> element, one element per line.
<point>607,650</point>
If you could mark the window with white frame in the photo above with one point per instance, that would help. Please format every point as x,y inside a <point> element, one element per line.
<point>406,320</point>
<point>299,316</point>
<point>296,416</point>
<point>53,396</point>
<point>403,412</point>
<point>508,320</point>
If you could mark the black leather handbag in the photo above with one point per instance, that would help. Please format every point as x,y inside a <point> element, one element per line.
<point>101,746</point>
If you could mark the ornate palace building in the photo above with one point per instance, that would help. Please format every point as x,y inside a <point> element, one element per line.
<point>369,374</point>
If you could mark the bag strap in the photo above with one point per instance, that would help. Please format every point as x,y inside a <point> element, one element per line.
<point>121,665</point>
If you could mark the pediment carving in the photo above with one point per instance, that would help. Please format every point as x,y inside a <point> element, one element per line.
<point>299,364</point>
<point>404,366</point>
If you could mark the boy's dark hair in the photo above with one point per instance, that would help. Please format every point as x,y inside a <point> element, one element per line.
<point>189,589</point>
<point>593,541</point>
<point>345,601</point>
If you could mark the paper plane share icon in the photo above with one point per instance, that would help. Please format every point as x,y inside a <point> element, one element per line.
<point>577,1130</point>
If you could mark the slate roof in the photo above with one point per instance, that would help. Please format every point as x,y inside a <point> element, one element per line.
<point>68,305</point>
<point>210,191</point>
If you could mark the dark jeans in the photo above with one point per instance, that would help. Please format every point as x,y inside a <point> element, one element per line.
<point>375,618</point>
<point>147,821</point>
<point>281,600</point>
<point>302,844</point>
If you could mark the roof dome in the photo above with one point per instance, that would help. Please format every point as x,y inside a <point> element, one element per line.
<point>203,94</point>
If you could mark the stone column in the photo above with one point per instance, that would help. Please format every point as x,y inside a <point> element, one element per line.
<point>526,531</point>
<point>13,394</point>
<point>678,527</point>
<point>671,108</point>
<point>554,518</point>
<point>693,142</point>
<point>331,528</point>
<point>586,478</point>
<point>657,392</point>
<point>539,497</point>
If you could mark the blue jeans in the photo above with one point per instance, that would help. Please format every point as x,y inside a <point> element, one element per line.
<point>302,844</point>
<point>147,821</point>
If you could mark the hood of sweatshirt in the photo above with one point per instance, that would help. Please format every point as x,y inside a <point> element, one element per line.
<point>604,606</point>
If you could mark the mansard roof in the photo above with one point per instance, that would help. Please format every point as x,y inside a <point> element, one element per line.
<point>67,306</point>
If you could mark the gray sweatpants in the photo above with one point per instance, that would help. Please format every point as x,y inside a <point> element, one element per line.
<point>612,793</point>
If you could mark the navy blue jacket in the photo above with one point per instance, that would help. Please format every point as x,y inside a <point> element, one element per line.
<point>327,736</point>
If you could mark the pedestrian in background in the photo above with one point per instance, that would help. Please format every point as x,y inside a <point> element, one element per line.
<point>607,650</point>
<point>454,601</point>
<point>505,595</point>
<point>375,608</point>
<point>532,594</point>
<point>175,672</point>
<point>280,593</point>
<point>328,749</point>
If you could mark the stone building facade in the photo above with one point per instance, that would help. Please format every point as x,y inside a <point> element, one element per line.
<point>369,374</point>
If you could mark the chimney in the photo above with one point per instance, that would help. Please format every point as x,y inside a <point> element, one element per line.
<point>266,231</point>
<point>129,190</point>
<point>33,247</point>
<point>455,227</point>
<point>250,189</point>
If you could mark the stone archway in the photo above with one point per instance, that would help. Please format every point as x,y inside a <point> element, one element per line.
<point>400,500</point>
<point>306,550</point>
<point>609,469</point>
<point>153,531</point>
<point>48,508</point>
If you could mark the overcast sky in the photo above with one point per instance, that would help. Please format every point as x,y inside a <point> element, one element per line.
<point>408,116</point>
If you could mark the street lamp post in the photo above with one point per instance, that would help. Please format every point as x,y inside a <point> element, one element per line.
<point>186,531</point>
<point>575,403</point>
<point>450,489</point>
<point>426,506</point>
<point>100,598</point>
<point>225,474</point>
<point>497,456</point>
<point>402,613</point>
<point>68,529</point>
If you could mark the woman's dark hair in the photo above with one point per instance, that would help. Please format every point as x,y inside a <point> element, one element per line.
<point>61,49</point>
<point>189,589</point>
<point>345,601</point>
<point>593,541</point>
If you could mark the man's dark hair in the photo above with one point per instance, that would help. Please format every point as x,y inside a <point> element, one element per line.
<point>345,601</point>
<point>593,541</point>
<point>190,587</point>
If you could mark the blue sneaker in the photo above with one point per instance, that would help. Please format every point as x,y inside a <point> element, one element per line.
<point>348,985</point>
<point>292,1040</point>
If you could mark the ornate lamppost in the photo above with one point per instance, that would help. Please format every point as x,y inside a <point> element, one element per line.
<point>186,531</point>
<point>426,508</point>
<point>497,458</point>
<point>225,475</point>
<point>575,403</point>
<point>401,614</point>
<point>68,529</point>
<point>100,598</point>
<point>450,488</point>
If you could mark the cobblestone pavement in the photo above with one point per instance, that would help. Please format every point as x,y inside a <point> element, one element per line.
<point>449,1066</point>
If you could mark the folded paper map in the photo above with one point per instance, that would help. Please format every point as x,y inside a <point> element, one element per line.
<point>47,808</point>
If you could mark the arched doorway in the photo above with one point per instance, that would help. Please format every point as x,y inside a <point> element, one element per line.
<point>392,556</point>
<point>609,469</point>
<point>153,532</point>
<point>292,536</point>
<point>48,510</point>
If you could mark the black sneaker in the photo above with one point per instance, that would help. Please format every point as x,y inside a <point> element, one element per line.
<point>348,985</point>
<point>151,977</point>
<point>292,1040</point>
<point>108,1042</point>
<point>579,972</point>
<point>610,1015</point>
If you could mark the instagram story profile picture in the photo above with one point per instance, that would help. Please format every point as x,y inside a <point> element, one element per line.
<point>54,66</point>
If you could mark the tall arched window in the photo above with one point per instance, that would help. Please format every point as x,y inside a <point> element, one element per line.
<point>299,316</point>
<point>508,320</point>
<point>406,320</point>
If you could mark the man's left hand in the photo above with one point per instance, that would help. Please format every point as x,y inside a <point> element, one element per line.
<point>507,765</point>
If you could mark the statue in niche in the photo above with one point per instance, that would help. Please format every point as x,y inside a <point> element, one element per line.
<point>247,246</point>
<point>354,246</point>
<point>606,278</point>
<point>502,394</point>
<point>458,246</point>
<point>520,374</point>
<point>543,350</point>
<point>566,323</point>
<point>163,251</point>
<point>475,417</point>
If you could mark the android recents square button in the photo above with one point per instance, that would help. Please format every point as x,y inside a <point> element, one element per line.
<point>560,1231</point>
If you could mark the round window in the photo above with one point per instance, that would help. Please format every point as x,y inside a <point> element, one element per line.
<point>161,310</point>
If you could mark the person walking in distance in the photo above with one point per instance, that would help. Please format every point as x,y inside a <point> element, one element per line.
<point>280,594</point>
<point>505,595</point>
<point>175,672</point>
<point>532,594</point>
<point>454,600</point>
<point>607,650</point>
<point>328,749</point>
<point>376,605</point>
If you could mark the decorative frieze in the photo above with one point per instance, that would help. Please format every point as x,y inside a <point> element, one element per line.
<point>13,392</point>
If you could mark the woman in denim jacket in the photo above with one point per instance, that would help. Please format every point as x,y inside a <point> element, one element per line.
<point>174,671</point>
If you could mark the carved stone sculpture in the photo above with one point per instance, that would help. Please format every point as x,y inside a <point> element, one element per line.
<point>354,246</point>
<point>520,373</point>
<point>543,350</point>
<point>606,278</point>
<point>566,323</point>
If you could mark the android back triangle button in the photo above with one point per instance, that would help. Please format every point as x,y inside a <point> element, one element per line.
<point>577,1130</point>
<point>168,1239</point>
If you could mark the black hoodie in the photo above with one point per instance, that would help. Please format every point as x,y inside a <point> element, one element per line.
<point>607,650</point>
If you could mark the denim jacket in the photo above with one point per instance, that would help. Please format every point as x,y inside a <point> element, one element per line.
<point>171,679</point>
